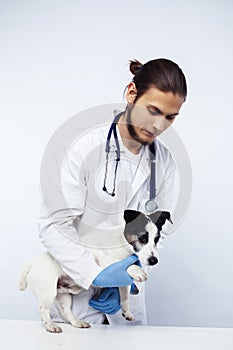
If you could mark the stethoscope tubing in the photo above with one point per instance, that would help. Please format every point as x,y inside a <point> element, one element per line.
<point>152,149</point>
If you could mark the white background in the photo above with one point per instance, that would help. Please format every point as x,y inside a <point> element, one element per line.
<point>61,57</point>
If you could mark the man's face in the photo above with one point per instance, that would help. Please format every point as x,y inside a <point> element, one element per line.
<point>152,113</point>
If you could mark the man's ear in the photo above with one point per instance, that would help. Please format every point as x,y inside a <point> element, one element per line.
<point>131,215</point>
<point>159,218</point>
<point>131,93</point>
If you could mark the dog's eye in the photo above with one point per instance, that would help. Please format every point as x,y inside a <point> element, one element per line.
<point>144,238</point>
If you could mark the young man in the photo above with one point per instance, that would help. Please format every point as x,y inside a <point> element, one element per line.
<point>97,188</point>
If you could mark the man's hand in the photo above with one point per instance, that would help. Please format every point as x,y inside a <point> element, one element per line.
<point>108,302</point>
<point>115,275</point>
<point>112,277</point>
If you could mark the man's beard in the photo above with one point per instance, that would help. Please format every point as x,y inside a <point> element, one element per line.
<point>131,128</point>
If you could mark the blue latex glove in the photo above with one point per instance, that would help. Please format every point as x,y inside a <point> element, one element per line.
<point>108,302</point>
<point>115,275</point>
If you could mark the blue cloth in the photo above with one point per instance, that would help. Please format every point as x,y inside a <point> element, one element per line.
<point>115,275</point>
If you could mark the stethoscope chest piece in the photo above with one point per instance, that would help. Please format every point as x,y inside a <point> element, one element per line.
<point>151,205</point>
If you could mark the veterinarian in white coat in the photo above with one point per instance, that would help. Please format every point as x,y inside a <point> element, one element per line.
<point>77,214</point>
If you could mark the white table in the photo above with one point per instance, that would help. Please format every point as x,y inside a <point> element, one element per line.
<point>30,335</point>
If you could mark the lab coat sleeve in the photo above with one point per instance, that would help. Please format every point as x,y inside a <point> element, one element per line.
<point>63,202</point>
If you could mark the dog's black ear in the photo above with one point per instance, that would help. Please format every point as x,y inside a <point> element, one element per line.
<point>159,218</point>
<point>135,224</point>
<point>131,215</point>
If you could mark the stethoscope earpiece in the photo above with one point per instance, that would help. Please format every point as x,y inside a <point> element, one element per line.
<point>110,194</point>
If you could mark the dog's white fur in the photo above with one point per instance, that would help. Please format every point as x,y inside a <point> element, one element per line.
<point>45,277</point>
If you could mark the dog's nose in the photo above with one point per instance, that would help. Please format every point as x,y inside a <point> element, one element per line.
<point>152,260</point>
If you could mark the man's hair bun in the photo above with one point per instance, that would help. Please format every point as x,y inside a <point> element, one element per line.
<point>135,66</point>
<point>161,73</point>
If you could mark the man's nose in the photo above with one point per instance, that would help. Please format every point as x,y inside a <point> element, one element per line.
<point>159,123</point>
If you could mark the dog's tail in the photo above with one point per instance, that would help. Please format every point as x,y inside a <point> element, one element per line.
<point>23,277</point>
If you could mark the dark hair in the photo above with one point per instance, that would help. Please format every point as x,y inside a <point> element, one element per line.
<point>162,73</point>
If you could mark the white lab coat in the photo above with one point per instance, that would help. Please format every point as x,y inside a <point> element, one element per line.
<point>77,213</point>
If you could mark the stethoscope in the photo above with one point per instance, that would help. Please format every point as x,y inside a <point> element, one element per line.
<point>150,204</point>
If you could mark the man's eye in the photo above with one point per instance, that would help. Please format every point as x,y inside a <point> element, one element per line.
<point>153,112</point>
<point>172,117</point>
<point>144,238</point>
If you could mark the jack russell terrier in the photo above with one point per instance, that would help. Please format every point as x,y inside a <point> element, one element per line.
<point>45,277</point>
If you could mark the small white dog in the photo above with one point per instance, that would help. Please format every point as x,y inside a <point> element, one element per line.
<point>45,277</point>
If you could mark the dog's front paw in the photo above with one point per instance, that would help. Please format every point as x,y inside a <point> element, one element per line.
<point>128,316</point>
<point>137,273</point>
